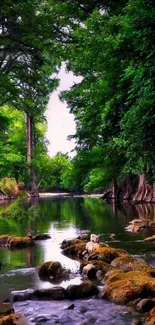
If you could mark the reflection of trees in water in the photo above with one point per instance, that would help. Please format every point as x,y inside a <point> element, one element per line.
<point>135,211</point>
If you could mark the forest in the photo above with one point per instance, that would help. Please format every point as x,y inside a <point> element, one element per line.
<point>111,46</point>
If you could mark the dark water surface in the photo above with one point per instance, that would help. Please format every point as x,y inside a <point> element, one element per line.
<point>65,218</point>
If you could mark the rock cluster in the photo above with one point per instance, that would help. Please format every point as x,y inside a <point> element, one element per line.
<point>21,242</point>
<point>122,278</point>
<point>125,279</point>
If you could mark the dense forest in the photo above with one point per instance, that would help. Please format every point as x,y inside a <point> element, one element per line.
<point>111,45</point>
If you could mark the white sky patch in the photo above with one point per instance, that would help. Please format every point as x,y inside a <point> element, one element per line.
<point>60,122</point>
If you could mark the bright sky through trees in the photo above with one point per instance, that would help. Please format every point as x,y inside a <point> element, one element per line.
<point>60,121</point>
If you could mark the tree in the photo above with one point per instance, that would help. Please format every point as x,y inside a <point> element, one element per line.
<point>29,56</point>
<point>114,103</point>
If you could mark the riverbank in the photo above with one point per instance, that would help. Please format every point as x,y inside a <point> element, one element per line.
<point>70,195</point>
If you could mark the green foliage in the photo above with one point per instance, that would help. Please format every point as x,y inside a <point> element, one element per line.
<point>12,144</point>
<point>52,171</point>
<point>114,102</point>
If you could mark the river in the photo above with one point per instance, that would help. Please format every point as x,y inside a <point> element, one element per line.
<point>62,218</point>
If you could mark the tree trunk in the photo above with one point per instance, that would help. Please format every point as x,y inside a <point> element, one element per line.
<point>30,155</point>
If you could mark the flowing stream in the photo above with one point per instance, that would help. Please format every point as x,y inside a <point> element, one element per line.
<point>65,218</point>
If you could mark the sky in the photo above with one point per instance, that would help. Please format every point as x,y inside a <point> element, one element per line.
<point>60,122</point>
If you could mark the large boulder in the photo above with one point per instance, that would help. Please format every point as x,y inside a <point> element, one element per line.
<point>129,263</point>
<point>53,269</point>
<point>123,287</point>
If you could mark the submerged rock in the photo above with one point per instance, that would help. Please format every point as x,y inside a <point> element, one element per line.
<point>53,269</point>
<point>55,293</point>
<point>83,290</point>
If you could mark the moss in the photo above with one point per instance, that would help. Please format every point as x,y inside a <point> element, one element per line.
<point>128,263</point>
<point>11,319</point>
<point>150,318</point>
<point>75,250</point>
<point>20,242</point>
<point>53,269</point>
<point>15,242</point>
<point>107,254</point>
<point>123,287</point>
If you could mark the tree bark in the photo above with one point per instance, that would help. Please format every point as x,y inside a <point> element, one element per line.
<point>30,155</point>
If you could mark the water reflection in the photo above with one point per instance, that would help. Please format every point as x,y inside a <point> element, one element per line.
<point>64,218</point>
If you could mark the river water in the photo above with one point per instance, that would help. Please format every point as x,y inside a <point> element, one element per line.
<point>65,218</point>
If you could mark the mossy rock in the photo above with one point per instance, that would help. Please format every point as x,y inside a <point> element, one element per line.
<point>15,242</point>
<point>20,242</point>
<point>12,319</point>
<point>107,254</point>
<point>129,263</point>
<point>70,242</point>
<point>83,290</point>
<point>123,287</point>
<point>75,250</point>
<point>51,269</point>
<point>150,318</point>
<point>97,266</point>
<point>56,293</point>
